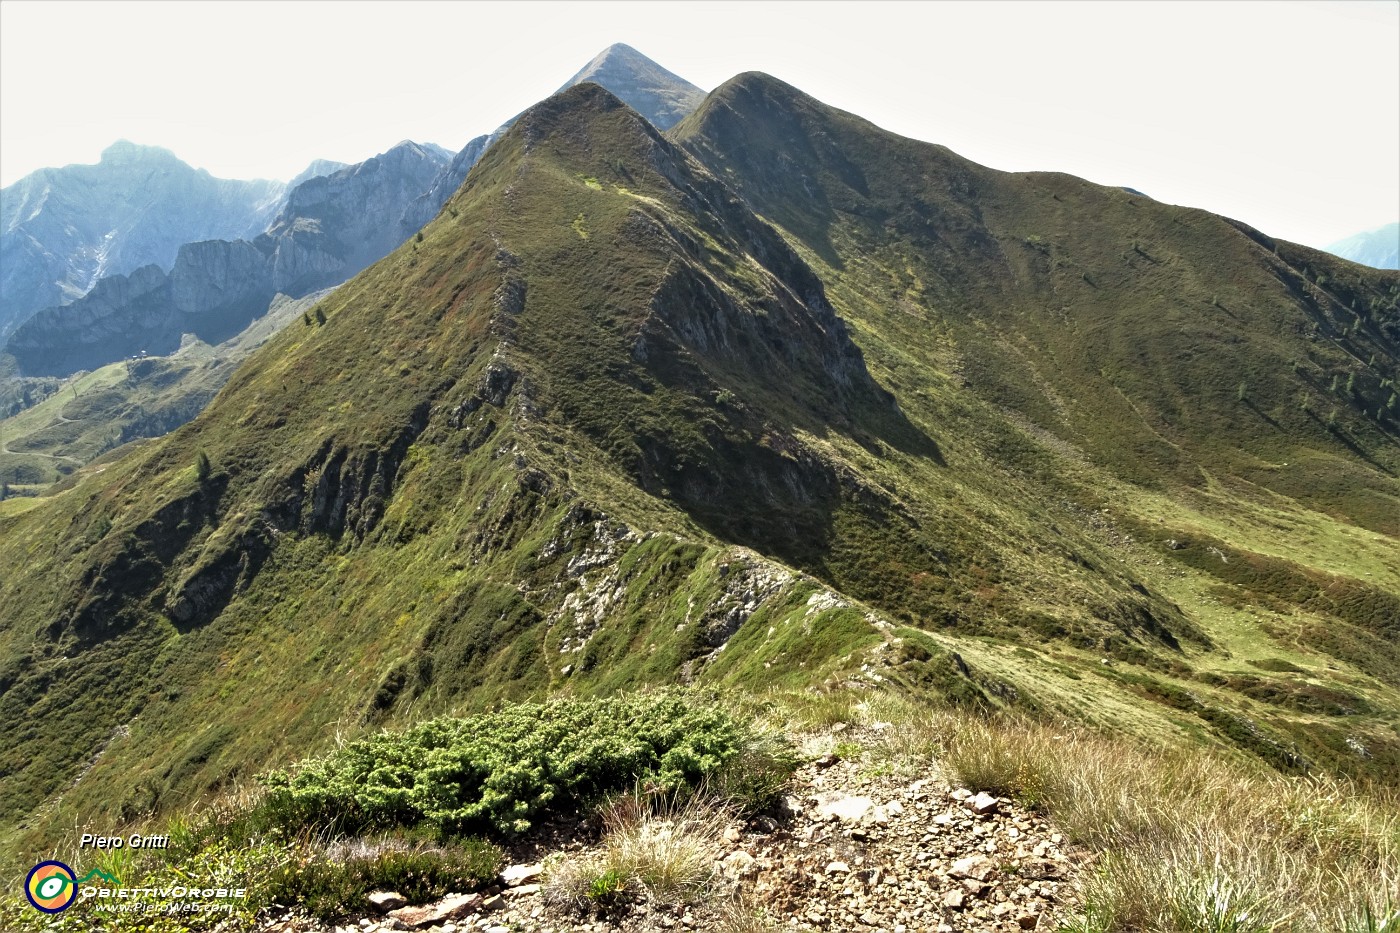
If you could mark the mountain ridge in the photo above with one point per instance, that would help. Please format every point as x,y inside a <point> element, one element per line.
<point>779,399</point>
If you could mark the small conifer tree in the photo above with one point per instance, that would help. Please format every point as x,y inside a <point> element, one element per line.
<point>202,467</point>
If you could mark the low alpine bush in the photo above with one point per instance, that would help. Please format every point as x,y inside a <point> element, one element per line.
<point>499,771</point>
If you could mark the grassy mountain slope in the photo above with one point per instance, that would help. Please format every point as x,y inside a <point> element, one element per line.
<point>604,424</point>
<point>403,508</point>
<point>90,414</point>
<point>1211,406</point>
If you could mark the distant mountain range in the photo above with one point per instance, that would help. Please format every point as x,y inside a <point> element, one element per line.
<point>328,228</point>
<point>1379,248</point>
<point>63,229</point>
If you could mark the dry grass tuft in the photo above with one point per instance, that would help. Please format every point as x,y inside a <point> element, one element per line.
<point>739,915</point>
<point>653,848</point>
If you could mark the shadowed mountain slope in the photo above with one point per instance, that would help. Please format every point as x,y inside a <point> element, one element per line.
<point>782,400</point>
<point>1167,343</point>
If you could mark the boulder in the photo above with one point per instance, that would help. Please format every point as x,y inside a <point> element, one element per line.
<point>449,908</point>
<point>521,874</point>
<point>982,804</point>
<point>835,805</point>
<point>976,867</point>
<point>385,901</point>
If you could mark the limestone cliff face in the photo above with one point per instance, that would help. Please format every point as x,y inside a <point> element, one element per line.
<point>62,229</point>
<point>331,228</point>
<point>334,226</point>
<point>121,309</point>
<point>425,207</point>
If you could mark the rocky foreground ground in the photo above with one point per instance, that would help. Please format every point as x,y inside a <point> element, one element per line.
<point>851,849</point>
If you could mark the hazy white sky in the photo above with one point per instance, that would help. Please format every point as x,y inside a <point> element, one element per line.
<point>1283,114</point>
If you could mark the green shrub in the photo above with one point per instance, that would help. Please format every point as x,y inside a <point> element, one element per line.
<point>498,771</point>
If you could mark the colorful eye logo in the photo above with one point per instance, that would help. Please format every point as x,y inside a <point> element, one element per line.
<point>51,887</point>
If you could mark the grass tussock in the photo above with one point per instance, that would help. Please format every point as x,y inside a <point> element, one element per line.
<point>740,915</point>
<point>654,849</point>
<point>1187,842</point>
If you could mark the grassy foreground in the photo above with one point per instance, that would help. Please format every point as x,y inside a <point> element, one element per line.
<point>1179,843</point>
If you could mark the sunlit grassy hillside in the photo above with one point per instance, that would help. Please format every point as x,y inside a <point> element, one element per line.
<point>778,401</point>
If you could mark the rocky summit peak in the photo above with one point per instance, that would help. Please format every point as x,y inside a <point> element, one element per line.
<point>661,95</point>
<point>619,54</point>
<point>124,151</point>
